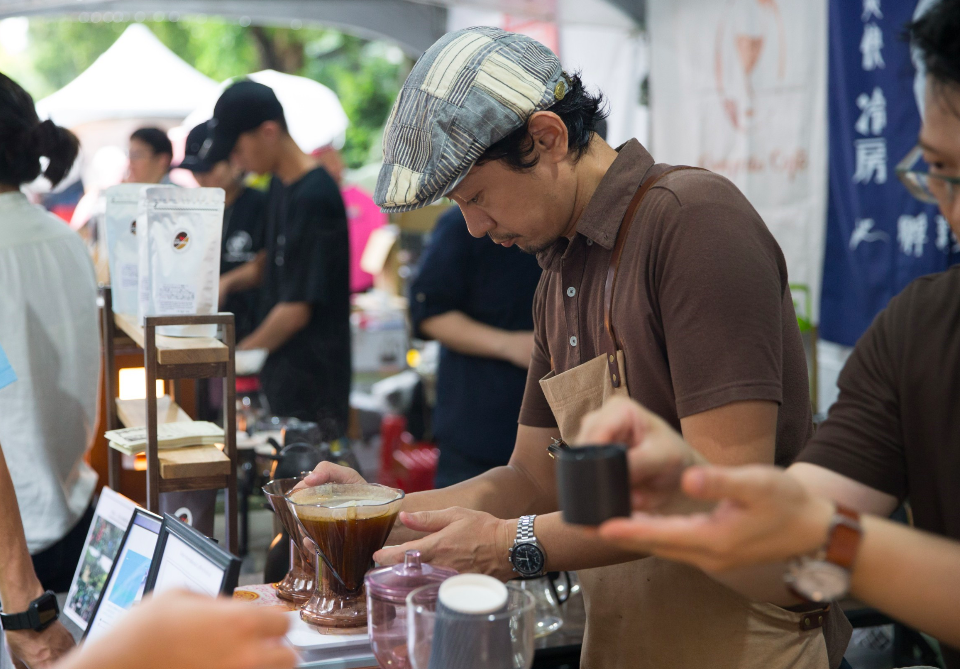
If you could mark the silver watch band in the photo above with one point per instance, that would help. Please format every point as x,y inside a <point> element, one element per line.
<point>525,529</point>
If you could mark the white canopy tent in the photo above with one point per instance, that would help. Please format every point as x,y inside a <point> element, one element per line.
<point>137,77</point>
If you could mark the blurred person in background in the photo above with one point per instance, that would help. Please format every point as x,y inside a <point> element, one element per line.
<point>50,333</point>
<point>363,216</point>
<point>304,277</point>
<point>476,299</point>
<point>244,224</point>
<point>150,156</point>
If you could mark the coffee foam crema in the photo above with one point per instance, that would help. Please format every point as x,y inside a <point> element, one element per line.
<point>366,502</point>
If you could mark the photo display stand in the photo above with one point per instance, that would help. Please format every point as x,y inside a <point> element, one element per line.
<point>187,560</point>
<point>126,582</point>
<point>111,521</point>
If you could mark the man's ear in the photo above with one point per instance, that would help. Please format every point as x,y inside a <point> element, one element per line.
<point>549,135</point>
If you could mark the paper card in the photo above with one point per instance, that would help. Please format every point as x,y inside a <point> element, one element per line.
<point>100,548</point>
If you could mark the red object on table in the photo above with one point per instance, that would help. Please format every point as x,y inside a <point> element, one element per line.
<point>410,466</point>
<point>392,427</point>
<point>416,467</point>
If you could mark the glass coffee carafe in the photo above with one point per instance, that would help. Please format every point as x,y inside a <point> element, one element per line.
<point>300,582</point>
<point>348,523</point>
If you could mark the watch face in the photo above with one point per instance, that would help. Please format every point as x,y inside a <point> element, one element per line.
<point>821,581</point>
<point>47,609</point>
<point>528,559</point>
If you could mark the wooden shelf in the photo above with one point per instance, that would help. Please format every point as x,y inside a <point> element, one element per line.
<point>176,350</point>
<point>173,358</point>
<point>193,462</point>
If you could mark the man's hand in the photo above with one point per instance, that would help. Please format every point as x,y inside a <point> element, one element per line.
<point>189,631</point>
<point>39,649</point>
<point>657,457</point>
<point>468,541</point>
<point>764,515</point>
<point>327,472</point>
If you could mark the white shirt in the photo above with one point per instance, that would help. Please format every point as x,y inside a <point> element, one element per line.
<point>49,331</point>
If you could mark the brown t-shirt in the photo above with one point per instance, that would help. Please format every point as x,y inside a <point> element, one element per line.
<point>702,308</point>
<point>896,423</point>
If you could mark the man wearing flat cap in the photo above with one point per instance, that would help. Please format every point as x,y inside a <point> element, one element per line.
<point>660,283</point>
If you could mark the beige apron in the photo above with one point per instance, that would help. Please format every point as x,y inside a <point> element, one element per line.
<point>653,613</point>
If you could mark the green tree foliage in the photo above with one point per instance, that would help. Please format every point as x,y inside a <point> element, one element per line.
<point>366,75</point>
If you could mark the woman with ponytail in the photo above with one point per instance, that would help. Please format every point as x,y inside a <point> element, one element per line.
<point>49,331</point>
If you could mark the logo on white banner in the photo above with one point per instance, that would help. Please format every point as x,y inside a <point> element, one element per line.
<point>912,234</point>
<point>750,47</point>
<point>871,156</point>
<point>863,232</point>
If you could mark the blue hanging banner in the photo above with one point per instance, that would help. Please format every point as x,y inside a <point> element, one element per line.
<point>879,238</point>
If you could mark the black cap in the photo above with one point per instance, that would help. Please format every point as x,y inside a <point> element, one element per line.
<point>245,106</point>
<point>191,161</point>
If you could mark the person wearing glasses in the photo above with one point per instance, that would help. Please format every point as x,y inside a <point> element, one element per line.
<point>892,435</point>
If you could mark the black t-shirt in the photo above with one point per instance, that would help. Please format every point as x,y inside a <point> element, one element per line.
<point>308,260</point>
<point>478,399</point>
<point>896,426</point>
<point>244,235</point>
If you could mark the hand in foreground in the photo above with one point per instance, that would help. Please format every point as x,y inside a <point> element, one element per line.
<point>37,650</point>
<point>764,515</point>
<point>327,472</point>
<point>657,457</point>
<point>189,631</point>
<point>466,540</point>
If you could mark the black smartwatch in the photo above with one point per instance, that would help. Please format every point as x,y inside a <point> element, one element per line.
<point>42,612</point>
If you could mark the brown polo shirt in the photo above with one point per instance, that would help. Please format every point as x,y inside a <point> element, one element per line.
<point>702,307</point>
<point>896,425</point>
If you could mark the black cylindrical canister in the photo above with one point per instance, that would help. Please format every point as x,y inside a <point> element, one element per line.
<point>593,483</point>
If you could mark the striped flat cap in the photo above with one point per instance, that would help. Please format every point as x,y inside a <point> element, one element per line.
<point>468,91</point>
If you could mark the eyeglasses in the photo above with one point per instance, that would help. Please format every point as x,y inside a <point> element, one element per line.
<point>914,172</point>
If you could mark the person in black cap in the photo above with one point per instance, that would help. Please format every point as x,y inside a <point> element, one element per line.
<point>244,224</point>
<point>304,275</point>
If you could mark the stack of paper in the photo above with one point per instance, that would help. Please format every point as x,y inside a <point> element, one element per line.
<point>133,440</point>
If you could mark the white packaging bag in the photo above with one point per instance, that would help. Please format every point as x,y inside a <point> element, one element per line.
<point>179,231</point>
<point>120,241</point>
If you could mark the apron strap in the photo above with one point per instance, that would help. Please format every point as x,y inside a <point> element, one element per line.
<point>609,286</point>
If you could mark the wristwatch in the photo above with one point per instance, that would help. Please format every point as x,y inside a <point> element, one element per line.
<point>527,555</point>
<point>826,576</point>
<point>41,613</point>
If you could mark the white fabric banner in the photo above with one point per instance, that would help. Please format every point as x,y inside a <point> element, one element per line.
<point>739,87</point>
